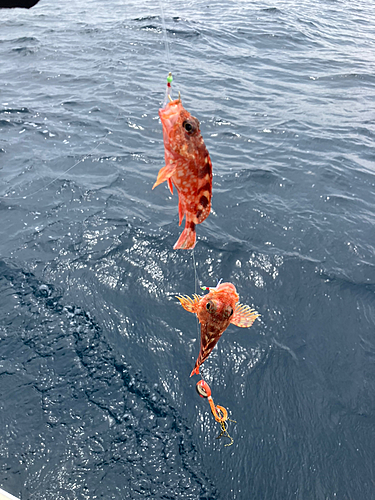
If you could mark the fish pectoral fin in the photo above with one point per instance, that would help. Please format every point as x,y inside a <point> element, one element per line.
<point>164,174</point>
<point>188,303</point>
<point>244,316</point>
<point>170,184</point>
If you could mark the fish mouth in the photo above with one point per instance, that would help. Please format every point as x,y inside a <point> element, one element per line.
<point>170,113</point>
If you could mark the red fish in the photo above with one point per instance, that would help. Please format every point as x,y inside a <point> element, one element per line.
<point>215,312</point>
<point>187,167</point>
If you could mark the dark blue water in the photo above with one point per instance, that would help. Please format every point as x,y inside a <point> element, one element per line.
<point>95,351</point>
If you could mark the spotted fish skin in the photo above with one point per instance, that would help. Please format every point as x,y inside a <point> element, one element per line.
<point>188,167</point>
<point>215,312</point>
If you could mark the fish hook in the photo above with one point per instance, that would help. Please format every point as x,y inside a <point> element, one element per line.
<point>224,432</point>
<point>179,97</point>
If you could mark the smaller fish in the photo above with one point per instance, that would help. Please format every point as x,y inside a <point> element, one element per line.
<point>187,167</point>
<point>215,312</point>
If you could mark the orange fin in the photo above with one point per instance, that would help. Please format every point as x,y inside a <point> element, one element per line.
<point>187,239</point>
<point>195,371</point>
<point>170,184</point>
<point>189,304</point>
<point>164,174</point>
<point>244,316</point>
<point>180,213</point>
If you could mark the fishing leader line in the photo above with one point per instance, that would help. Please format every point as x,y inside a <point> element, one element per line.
<point>167,97</point>
<point>165,36</point>
<point>219,412</point>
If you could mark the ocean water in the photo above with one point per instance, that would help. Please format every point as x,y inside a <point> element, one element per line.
<point>95,351</point>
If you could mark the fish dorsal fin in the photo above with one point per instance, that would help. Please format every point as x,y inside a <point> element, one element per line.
<point>188,303</point>
<point>244,316</point>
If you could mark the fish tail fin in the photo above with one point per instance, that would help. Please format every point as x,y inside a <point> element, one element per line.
<point>188,237</point>
<point>195,371</point>
<point>164,174</point>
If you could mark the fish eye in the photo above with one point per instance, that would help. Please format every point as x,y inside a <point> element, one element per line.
<point>208,306</point>
<point>231,312</point>
<point>188,127</point>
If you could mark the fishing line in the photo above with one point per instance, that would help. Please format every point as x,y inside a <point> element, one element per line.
<point>165,36</point>
<point>196,285</point>
<point>196,279</point>
<point>219,412</point>
<point>166,98</point>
